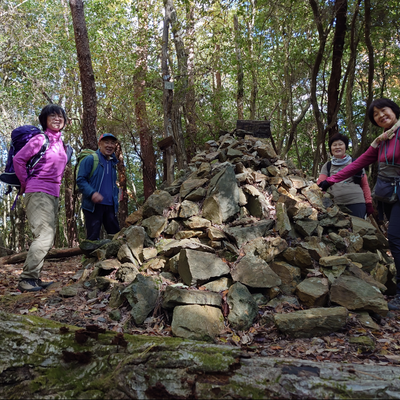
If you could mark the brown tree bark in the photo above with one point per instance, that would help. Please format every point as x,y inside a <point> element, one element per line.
<point>180,90</point>
<point>89,98</point>
<point>293,129</point>
<point>20,226</point>
<point>322,34</point>
<point>240,74</point>
<point>190,105</point>
<point>139,92</point>
<point>364,137</point>
<point>123,199</point>
<point>53,253</point>
<point>167,93</point>
<point>336,70</point>
<point>253,69</point>
<point>72,231</point>
<point>354,40</point>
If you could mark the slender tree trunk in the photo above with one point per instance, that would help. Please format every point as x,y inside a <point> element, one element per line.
<point>354,39</point>
<point>89,98</point>
<point>254,82</point>
<point>368,42</point>
<point>336,70</point>
<point>323,34</point>
<point>190,105</point>
<point>167,93</point>
<point>123,199</point>
<point>20,227</point>
<point>240,74</point>
<point>217,86</point>
<point>181,85</point>
<point>72,232</point>
<point>70,200</point>
<point>139,92</point>
<point>286,109</point>
<point>293,129</point>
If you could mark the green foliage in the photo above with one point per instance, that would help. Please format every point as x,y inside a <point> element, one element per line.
<point>278,43</point>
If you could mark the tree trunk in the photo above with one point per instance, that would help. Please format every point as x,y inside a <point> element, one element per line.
<point>240,74</point>
<point>253,65</point>
<point>181,86</point>
<point>323,34</point>
<point>89,98</point>
<point>20,226</point>
<point>42,359</point>
<point>139,92</point>
<point>336,70</point>
<point>354,39</point>
<point>167,92</point>
<point>72,232</point>
<point>123,198</point>
<point>190,105</point>
<point>218,93</point>
<point>293,130</point>
<point>368,42</point>
<point>53,253</point>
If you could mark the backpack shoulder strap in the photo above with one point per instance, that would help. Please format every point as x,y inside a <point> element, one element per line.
<point>95,163</point>
<point>35,159</point>
<point>328,167</point>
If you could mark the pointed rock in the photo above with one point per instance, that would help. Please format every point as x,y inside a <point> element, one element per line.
<point>242,307</point>
<point>253,271</point>
<point>197,267</point>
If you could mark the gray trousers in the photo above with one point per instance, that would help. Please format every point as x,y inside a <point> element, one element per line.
<point>42,213</point>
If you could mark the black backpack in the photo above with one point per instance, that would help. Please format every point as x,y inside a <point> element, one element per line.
<point>356,177</point>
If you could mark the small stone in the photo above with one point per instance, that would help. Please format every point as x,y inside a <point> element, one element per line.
<point>115,315</point>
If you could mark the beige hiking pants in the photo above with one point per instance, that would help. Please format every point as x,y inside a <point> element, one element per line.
<point>42,213</point>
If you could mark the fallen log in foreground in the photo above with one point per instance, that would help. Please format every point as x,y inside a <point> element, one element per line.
<point>40,360</point>
<point>53,253</point>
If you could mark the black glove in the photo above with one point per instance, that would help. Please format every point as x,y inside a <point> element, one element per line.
<point>324,185</point>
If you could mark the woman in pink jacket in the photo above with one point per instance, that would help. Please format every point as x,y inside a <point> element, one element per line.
<point>386,150</point>
<point>42,190</point>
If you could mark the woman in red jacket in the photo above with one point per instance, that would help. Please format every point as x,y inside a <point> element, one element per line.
<point>386,150</point>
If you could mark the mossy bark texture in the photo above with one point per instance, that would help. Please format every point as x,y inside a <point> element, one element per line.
<point>39,361</point>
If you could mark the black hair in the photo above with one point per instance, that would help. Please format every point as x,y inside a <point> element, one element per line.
<point>381,103</point>
<point>48,110</point>
<point>336,137</point>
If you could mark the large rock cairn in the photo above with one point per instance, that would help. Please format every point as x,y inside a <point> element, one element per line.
<point>239,233</point>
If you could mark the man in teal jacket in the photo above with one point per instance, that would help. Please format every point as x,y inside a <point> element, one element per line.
<point>100,191</point>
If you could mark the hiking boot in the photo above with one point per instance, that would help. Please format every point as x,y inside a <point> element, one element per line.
<point>43,284</point>
<point>394,304</point>
<point>28,285</point>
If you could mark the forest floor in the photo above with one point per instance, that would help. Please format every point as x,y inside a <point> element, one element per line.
<point>382,344</point>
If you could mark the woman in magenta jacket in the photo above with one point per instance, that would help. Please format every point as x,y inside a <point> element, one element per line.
<point>386,150</point>
<point>42,190</point>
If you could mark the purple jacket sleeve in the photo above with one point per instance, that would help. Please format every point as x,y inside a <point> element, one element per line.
<point>369,157</point>
<point>24,155</point>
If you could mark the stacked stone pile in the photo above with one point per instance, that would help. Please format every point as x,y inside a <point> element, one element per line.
<point>243,231</point>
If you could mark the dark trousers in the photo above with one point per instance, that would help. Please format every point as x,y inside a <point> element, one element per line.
<point>358,210</point>
<point>102,215</point>
<point>392,212</point>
